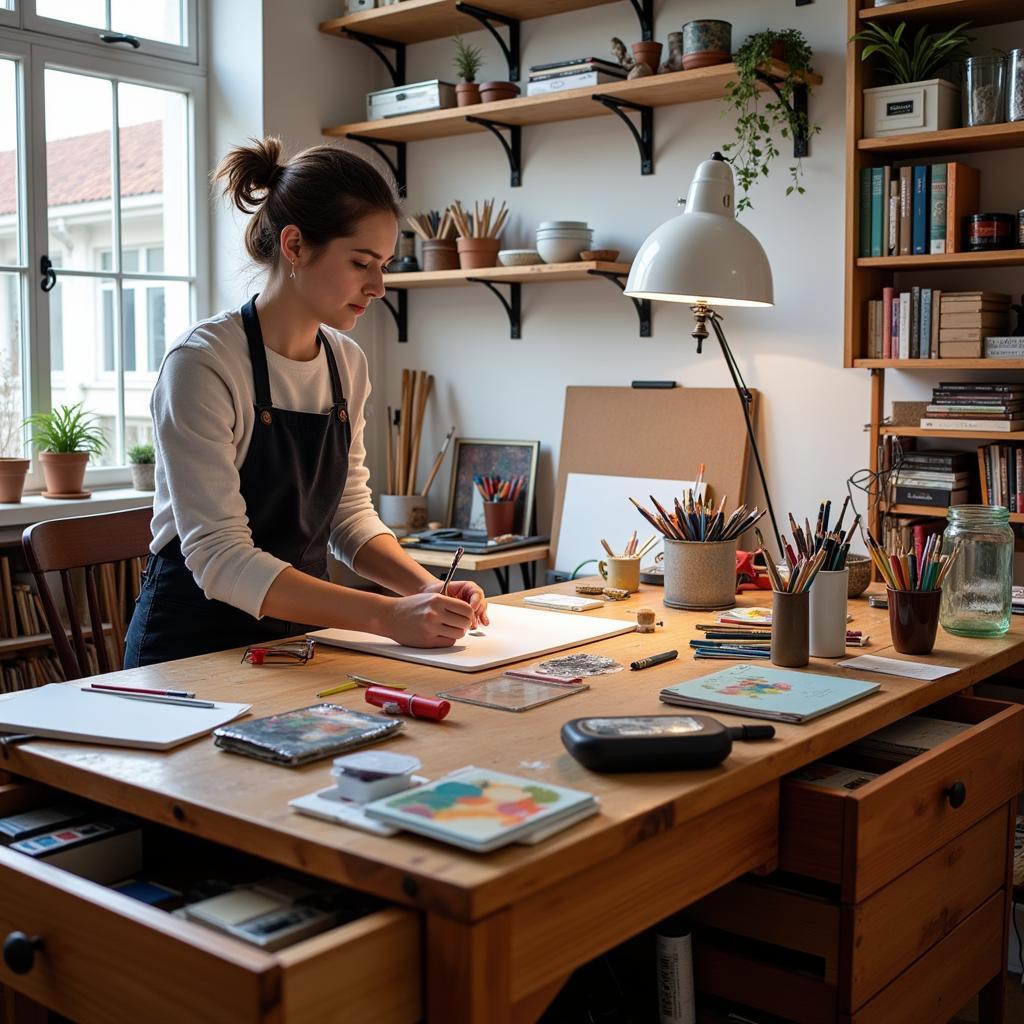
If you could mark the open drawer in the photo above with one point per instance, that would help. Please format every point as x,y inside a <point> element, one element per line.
<point>103,956</point>
<point>864,838</point>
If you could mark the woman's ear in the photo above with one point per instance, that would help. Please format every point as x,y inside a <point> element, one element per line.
<point>292,248</point>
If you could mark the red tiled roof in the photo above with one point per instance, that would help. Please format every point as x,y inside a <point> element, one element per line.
<point>78,168</point>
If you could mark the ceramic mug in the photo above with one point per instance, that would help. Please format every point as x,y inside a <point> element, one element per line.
<point>621,573</point>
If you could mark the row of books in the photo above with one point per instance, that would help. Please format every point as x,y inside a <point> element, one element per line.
<point>972,405</point>
<point>915,210</point>
<point>24,673</point>
<point>1001,471</point>
<point>573,73</point>
<point>902,534</point>
<point>926,323</point>
<point>21,610</point>
<point>939,478</point>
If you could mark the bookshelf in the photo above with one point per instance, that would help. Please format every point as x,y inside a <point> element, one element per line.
<point>866,276</point>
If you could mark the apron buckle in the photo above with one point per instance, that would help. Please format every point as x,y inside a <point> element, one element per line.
<point>265,417</point>
<point>343,415</point>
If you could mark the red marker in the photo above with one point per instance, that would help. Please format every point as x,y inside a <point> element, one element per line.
<point>395,702</point>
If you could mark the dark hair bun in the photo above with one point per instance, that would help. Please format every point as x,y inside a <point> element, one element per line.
<point>250,172</point>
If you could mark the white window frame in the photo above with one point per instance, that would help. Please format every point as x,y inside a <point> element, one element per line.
<point>36,53</point>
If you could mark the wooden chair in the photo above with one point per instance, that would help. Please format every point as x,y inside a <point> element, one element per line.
<point>88,543</point>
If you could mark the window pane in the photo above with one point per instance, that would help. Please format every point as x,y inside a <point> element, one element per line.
<point>78,159</point>
<point>57,328</point>
<point>154,19</point>
<point>130,258</point>
<point>10,233</point>
<point>153,133</point>
<point>156,334</point>
<point>78,12</point>
<point>128,328</point>
<point>11,326</point>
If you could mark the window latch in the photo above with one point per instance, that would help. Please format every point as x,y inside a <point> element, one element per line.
<point>120,37</point>
<point>49,274</point>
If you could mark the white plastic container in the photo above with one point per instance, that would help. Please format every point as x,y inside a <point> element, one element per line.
<point>828,614</point>
<point>915,107</point>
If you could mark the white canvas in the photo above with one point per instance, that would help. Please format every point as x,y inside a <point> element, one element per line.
<point>597,506</point>
<point>515,634</point>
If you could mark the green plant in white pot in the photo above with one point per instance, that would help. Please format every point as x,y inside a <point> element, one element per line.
<point>143,462</point>
<point>65,438</point>
<point>13,464</point>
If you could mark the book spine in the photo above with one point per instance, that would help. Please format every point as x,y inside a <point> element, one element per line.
<point>877,205</point>
<point>937,210</point>
<point>936,306</point>
<point>906,208</point>
<point>972,424</point>
<point>872,337</point>
<point>926,323</point>
<point>920,210</point>
<point>1004,478</point>
<point>894,219</point>
<point>983,473</point>
<point>887,299</point>
<point>886,182</point>
<point>937,497</point>
<point>904,325</point>
<point>865,212</point>
<point>1018,460</point>
<point>894,328</point>
<point>915,322</point>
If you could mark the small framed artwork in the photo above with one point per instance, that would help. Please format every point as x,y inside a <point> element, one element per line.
<point>476,457</point>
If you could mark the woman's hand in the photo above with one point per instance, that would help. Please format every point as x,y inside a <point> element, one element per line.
<point>464,591</point>
<point>428,620</point>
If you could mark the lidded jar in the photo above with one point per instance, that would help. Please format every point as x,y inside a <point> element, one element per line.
<point>977,591</point>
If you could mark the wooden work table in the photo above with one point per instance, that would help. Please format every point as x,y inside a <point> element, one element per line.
<point>500,932</point>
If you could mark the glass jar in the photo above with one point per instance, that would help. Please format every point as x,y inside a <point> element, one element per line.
<point>984,90</point>
<point>977,591</point>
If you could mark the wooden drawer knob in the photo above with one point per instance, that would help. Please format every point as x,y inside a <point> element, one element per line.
<point>20,951</point>
<point>956,794</point>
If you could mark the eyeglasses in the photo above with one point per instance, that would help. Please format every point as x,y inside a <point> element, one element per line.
<point>289,652</point>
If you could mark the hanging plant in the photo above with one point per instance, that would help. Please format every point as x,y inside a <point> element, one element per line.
<point>760,115</point>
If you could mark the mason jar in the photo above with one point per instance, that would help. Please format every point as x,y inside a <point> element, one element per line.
<point>984,90</point>
<point>976,593</point>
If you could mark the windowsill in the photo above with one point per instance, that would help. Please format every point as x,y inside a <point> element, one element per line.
<point>34,508</point>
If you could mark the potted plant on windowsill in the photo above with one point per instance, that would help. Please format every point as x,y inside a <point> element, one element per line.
<point>143,462</point>
<point>65,437</point>
<point>13,467</point>
<point>467,62</point>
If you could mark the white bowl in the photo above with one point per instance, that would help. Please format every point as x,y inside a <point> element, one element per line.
<point>584,236</point>
<point>561,224</point>
<point>560,250</point>
<point>519,257</point>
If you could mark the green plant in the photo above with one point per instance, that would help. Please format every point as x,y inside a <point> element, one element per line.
<point>68,428</point>
<point>468,59</point>
<point>142,454</point>
<point>913,60</point>
<point>756,123</point>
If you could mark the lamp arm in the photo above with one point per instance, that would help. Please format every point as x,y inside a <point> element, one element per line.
<point>746,399</point>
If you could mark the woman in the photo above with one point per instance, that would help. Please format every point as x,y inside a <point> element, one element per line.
<point>258,416</point>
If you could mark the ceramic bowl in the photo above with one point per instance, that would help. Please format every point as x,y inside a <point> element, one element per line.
<point>602,255</point>
<point>560,250</point>
<point>519,257</point>
<point>561,225</point>
<point>860,574</point>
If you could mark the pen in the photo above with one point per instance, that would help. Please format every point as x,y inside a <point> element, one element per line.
<point>141,689</point>
<point>459,552</point>
<point>183,701</point>
<point>654,659</point>
<point>340,688</point>
<point>364,681</point>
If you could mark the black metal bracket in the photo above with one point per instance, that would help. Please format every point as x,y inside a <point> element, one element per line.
<point>645,14</point>
<point>513,146</point>
<point>513,304</point>
<point>397,165</point>
<point>510,49</point>
<point>396,67</point>
<point>645,137</point>
<point>401,313</point>
<point>642,306</point>
<point>797,112</point>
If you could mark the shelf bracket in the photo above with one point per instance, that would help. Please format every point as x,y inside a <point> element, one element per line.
<point>642,306</point>
<point>400,313</point>
<point>396,67</point>
<point>645,15</point>
<point>644,138</point>
<point>513,304</point>
<point>797,113</point>
<point>510,49</point>
<point>512,146</point>
<point>397,165</point>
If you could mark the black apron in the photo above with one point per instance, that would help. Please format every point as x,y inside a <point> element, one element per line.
<point>291,480</point>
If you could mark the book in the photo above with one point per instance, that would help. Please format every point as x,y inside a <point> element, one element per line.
<point>962,184</point>
<point>980,387</point>
<point>1004,347</point>
<point>933,342</point>
<point>578,69</point>
<point>947,482</point>
<point>888,294</point>
<point>915,322</point>
<point>579,81</point>
<point>925,342</point>
<point>832,776</point>
<point>877,210</point>
<point>893,222</point>
<point>770,693</point>
<point>971,424</point>
<point>904,332</point>
<point>920,210</point>
<point>307,734</point>
<point>864,216</point>
<point>993,319</point>
<point>935,497</point>
<point>481,810</point>
<point>937,210</point>
<point>573,61</point>
<point>906,208</point>
<point>907,738</point>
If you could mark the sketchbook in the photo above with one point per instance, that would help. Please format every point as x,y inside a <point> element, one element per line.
<point>61,711</point>
<point>514,634</point>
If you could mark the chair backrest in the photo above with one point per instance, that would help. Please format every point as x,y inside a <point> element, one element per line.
<point>88,543</point>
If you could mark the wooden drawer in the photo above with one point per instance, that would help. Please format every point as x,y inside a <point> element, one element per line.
<point>863,839</point>
<point>107,957</point>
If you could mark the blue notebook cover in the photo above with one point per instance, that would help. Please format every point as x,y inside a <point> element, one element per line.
<point>920,209</point>
<point>776,694</point>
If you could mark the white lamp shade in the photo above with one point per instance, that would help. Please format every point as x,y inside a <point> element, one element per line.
<point>704,254</point>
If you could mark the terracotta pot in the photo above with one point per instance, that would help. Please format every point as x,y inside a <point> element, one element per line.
<point>12,480</point>
<point>467,94</point>
<point>477,253</point>
<point>440,254</point>
<point>649,53</point>
<point>143,476</point>
<point>706,42</point>
<point>490,92</point>
<point>64,473</point>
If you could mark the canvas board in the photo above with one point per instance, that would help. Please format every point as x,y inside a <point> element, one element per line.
<point>597,506</point>
<point>514,634</point>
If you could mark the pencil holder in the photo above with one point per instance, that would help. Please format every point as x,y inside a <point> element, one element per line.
<point>700,575</point>
<point>439,254</point>
<point>499,517</point>
<point>402,513</point>
<point>828,614</point>
<point>913,619</point>
<point>477,253</point>
<point>621,573</point>
<point>790,628</point>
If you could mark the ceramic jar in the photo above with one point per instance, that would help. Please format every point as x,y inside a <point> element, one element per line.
<point>706,42</point>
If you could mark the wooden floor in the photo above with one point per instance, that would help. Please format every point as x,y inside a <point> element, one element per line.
<point>1014,1004</point>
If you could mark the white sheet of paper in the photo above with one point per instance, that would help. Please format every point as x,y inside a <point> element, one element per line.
<point>514,634</point>
<point>895,667</point>
<point>597,506</point>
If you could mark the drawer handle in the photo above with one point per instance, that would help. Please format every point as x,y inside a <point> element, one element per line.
<point>20,951</point>
<point>956,794</point>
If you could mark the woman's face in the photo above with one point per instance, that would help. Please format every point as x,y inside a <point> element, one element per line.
<point>342,280</point>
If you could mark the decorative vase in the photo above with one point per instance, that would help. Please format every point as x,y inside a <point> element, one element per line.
<point>467,94</point>
<point>142,476</point>
<point>649,53</point>
<point>706,42</point>
<point>477,253</point>
<point>64,473</point>
<point>490,92</point>
<point>12,480</point>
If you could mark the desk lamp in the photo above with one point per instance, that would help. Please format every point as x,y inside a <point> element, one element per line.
<point>705,258</point>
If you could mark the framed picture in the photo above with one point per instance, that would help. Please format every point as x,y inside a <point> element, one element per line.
<point>476,457</point>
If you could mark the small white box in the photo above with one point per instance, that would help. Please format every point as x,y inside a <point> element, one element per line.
<point>409,99</point>
<point>916,107</point>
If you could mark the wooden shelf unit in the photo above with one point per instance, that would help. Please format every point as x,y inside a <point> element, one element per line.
<point>935,512</point>
<point>980,139</point>
<point>945,261</point>
<point>968,435</point>
<point>931,365</point>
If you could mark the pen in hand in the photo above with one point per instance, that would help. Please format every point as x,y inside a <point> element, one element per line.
<point>459,552</point>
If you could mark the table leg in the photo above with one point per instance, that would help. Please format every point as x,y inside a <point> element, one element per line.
<point>992,1001</point>
<point>503,580</point>
<point>529,571</point>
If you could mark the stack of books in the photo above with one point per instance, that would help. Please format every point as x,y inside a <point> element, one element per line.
<point>933,478</point>
<point>967,318</point>
<point>1001,469</point>
<point>574,73</point>
<point>966,405</point>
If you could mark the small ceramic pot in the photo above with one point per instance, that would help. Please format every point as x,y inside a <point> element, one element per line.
<point>700,576</point>
<point>467,94</point>
<point>649,53</point>
<point>12,480</point>
<point>706,42</point>
<point>477,253</point>
<point>492,91</point>
<point>499,517</point>
<point>143,476</point>
<point>440,254</point>
<point>64,473</point>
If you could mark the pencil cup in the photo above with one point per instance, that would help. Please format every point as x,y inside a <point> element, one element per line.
<point>499,517</point>
<point>700,575</point>
<point>790,628</point>
<point>913,619</point>
<point>828,614</point>
<point>403,513</point>
<point>439,254</point>
<point>477,253</point>
<point>623,573</point>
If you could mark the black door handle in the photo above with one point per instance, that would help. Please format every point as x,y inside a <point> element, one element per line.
<point>956,794</point>
<point>20,951</point>
<point>119,37</point>
<point>49,274</point>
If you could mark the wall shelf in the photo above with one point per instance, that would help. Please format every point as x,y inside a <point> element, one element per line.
<point>939,364</point>
<point>935,512</point>
<point>967,435</point>
<point>978,12</point>
<point>946,261</point>
<point>979,139</point>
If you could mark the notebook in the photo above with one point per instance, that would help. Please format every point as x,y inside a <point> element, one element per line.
<point>480,809</point>
<point>771,693</point>
<point>306,734</point>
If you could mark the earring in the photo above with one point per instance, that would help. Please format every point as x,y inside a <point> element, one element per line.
<point>292,274</point>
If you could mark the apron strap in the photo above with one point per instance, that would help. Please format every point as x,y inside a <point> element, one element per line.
<point>340,404</point>
<point>258,357</point>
